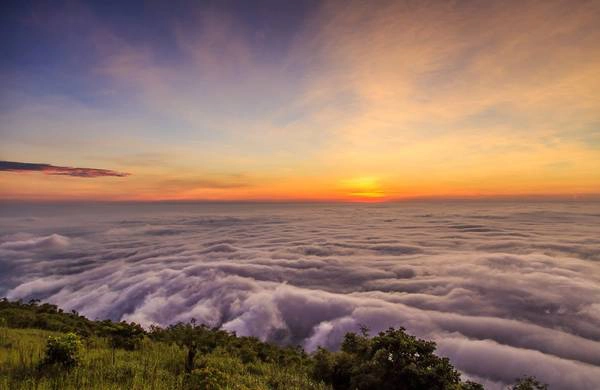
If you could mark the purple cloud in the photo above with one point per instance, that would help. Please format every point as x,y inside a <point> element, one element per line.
<point>49,169</point>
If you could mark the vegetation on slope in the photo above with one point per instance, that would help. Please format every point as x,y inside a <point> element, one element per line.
<point>42,347</point>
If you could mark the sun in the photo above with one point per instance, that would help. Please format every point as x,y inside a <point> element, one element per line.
<point>365,188</point>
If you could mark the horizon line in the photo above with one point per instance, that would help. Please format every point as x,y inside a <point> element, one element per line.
<point>431,198</point>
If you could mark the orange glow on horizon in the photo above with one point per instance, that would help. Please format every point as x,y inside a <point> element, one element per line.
<point>367,189</point>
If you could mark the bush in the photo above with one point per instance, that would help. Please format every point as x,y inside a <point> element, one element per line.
<point>123,335</point>
<point>391,360</point>
<point>63,350</point>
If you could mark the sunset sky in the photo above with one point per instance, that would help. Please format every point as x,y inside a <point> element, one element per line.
<point>298,100</point>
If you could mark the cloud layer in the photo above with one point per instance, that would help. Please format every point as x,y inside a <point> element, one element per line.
<point>505,289</point>
<point>48,169</point>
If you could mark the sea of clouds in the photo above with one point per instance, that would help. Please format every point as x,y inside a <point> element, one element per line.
<point>505,289</point>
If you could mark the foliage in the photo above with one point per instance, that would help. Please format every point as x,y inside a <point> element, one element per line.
<point>195,338</point>
<point>391,360</point>
<point>470,385</point>
<point>69,351</point>
<point>200,340</point>
<point>529,383</point>
<point>122,334</point>
<point>49,317</point>
<point>64,350</point>
<point>154,365</point>
<point>44,316</point>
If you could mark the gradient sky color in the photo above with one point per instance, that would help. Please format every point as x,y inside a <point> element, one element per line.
<point>290,100</point>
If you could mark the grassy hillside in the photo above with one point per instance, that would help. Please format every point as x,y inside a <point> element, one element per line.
<point>154,365</point>
<point>42,347</point>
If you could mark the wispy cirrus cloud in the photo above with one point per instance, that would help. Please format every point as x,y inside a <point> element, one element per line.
<point>49,169</point>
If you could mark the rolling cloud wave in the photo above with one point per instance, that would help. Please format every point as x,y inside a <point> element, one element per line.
<point>503,289</point>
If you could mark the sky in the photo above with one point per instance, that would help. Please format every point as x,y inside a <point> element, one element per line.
<point>302,100</point>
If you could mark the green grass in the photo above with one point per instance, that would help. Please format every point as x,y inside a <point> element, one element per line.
<point>155,365</point>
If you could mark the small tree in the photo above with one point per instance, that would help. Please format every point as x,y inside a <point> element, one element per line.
<point>195,338</point>
<point>392,360</point>
<point>63,350</point>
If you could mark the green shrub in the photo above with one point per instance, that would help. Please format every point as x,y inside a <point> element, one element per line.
<point>123,335</point>
<point>63,350</point>
<point>391,360</point>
